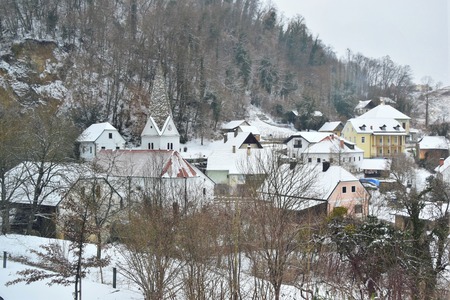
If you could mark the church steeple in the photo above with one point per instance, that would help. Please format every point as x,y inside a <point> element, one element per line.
<point>159,100</point>
<point>160,131</point>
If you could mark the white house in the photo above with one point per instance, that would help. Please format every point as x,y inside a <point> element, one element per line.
<point>161,176</point>
<point>299,143</point>
<point>160,131</point>
<point>97,137</point>
<point>233,166</point>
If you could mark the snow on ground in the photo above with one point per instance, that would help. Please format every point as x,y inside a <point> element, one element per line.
<point>17,245</point>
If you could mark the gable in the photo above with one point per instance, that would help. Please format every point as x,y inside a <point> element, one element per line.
<point>151,128</point>
<point>169,128</point>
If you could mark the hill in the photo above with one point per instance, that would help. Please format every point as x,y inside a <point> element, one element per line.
<point>96,60</point>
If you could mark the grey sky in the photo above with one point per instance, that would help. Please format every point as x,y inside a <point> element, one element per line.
<point>411,32</point>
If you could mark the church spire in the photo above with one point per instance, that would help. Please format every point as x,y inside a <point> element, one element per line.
<point>159,101</point>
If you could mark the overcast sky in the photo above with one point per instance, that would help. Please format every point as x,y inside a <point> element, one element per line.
<point>411,32</point>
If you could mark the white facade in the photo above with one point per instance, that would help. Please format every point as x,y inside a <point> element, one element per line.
<point>168,138</point>
<point>317,148</point>
<point>100,136</point>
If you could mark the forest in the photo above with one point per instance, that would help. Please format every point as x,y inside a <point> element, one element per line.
<point>217,56</point>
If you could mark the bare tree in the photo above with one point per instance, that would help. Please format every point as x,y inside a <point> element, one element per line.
<point>48,142</point>
<point>275,228</point>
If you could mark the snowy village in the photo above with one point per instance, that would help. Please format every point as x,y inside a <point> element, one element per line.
<point>213,150</point>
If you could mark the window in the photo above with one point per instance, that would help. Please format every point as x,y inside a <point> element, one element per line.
<point>381,151</point>
<point>344,189</point>
<point>381,140</point>
<point>170,146</point>
<point>353,188</point>
<point>298,144</point>
<point>395,139</point>
<point>318,160</point>
<point>363,139</point>
<point>404,125</point>
<point>354,158</point>
<point>90,149</point>
<point>359,158</point>
<point>103,148</point>
<point>151,146</point>
<point>117,148</point>
<point>110,135</point>
<point>358,209</point>
<point>309,159</point>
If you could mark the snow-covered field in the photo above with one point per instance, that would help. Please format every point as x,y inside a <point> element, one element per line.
<point>17,245</point>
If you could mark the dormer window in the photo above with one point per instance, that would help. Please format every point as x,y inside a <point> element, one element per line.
<point>363,128</point>
<point>383,127</point>
<point>397,127</point>
<point>110,135</point>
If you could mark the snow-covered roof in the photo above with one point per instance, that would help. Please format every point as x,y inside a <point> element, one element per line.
<point>433,142</point>
<point>362,104</point>
<point>310,136</point>
<point>59,178</point>
<point>242,161</point>
<point>376,164</point>
<point>382,112</point>
<point>317,113</point>
<point>233,124</point>
<point>250,129</point>
<point>237,140</point>
<point>145,163</point>
<point>377,126</point>
<point>444,166</point>
<point>93,132</point>
<point>330,126</point>
<point>309,184</point>
<point>333,144</point>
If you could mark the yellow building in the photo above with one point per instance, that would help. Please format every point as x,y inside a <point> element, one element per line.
<point>376,137</point>
<point>384,111</point>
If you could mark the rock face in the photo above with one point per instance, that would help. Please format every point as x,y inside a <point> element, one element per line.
<point>32,72</point>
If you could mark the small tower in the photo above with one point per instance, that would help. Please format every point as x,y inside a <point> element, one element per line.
<point>160,131</point>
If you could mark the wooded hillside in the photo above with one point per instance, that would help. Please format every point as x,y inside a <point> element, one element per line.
<point>97,59</point>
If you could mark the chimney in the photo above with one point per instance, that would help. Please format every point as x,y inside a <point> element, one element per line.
<point>341,142</point>
<point>325,166</point>
<point>248,149</point>
<point>234,149</point>
<point>225,137</point>
<point>441,161</point>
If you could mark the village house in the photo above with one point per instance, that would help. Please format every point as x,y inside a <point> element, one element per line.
<point>432,148</point>
<point>238,126</point>
<point>314,147</point>
<point>364,106</point>
<point>160,177</point>
<point>298,143</point>
<point>332,127</point>
<point>376,137</point>
<point>97,137</point>
<point>233,164</point>
<point>443,170</point>
<point>328,187</point>
<point>385,111</point>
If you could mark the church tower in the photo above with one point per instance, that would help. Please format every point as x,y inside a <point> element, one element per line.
<point>160,131</point>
